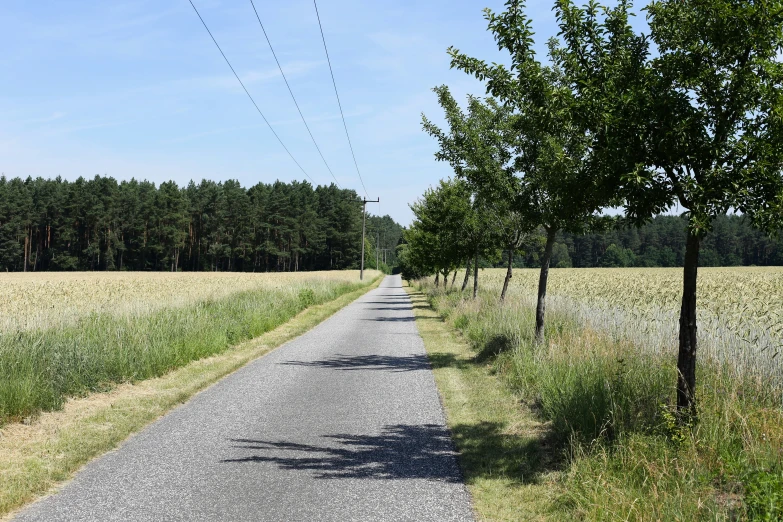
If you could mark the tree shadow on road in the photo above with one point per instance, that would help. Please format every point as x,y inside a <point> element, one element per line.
<point>523,453</point>
<point>401,451</point>
<point>402,301</point>
<point>392,319</point>
<point>391,363</point>
<point>404,451</point>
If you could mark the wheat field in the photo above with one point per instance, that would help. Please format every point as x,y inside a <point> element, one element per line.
<point>740,310</point>
<point>66,334</point>
<point>52,299</point>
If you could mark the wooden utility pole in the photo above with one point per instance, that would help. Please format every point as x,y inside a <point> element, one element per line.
<point>377,246</point>
<point>364,219</point>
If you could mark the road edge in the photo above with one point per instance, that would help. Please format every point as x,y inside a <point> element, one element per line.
<point>474,400</point>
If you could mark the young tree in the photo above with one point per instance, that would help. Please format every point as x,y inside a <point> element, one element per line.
<point>701,119</point>
<point>714,131</point>
<point>436,238</point>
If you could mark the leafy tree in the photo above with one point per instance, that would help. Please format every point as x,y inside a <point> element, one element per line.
<point>435,238</point>
<point>478,147</point>
<point>560,257</point>
<point>700,117</point>
<point>617,257</point>
<point>712,97</point>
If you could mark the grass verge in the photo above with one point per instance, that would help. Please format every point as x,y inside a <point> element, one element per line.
<point>35,457</point>
<point>503,446</point>
<point>612,446</point>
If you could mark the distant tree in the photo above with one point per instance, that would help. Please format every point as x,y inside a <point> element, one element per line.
<point>560,256</point>
<point>478,145</point>
<point>99,224</point>
<point>617,257</point>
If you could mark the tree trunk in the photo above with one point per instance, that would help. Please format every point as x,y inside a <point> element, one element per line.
<point>475,275</point>
<point>508,274</point>
<point>26,248</point>
<point>37,251</point>
<point>467,276</point>
<point>453,278</point>
<point>437,279</point>
<point>541,304</point>
<point>686,358</point>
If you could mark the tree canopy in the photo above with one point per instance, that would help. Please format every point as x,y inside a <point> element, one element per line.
<point>100,224</point>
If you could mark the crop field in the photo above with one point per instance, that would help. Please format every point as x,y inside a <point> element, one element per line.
<point>50,299</point>
<point>740,310</point>
<point>66,334</point>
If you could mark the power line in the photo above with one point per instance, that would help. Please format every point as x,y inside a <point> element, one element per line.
<point>334,83</point>
<point>248,93</point>
<point>292,94</point>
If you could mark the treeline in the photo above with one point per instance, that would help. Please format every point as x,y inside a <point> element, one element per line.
<point>102,224</point>
<point>732,241</point>
<point>383,234</point>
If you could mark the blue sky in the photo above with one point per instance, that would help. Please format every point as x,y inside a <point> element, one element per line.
<point>137,89</point>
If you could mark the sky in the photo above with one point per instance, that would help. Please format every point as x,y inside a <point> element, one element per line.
<point>138,89</point>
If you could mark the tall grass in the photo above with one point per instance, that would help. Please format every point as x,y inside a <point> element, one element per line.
<point>40,368</point>
<point>608,403</point>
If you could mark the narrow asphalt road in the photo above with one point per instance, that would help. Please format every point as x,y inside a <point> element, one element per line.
<point>343,423</point>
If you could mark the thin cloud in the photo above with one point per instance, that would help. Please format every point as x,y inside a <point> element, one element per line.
<point>227,81</point>
<point>87,126</point>
<point>54,116</point>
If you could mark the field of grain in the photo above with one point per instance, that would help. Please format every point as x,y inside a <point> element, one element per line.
<point>52,299</point>
<point>740,310</point>
<point>70,334</point>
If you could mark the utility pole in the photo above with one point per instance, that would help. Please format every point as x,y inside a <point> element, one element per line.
<point>364,219</point>
<point>377,246</point>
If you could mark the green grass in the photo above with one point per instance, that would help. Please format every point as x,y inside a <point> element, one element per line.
<point>501,443</point>
<point>39,369</point>
<point>35,458</point>
<point>606,410</point>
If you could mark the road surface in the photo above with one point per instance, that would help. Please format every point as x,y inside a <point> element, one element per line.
<point>343,423</point>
